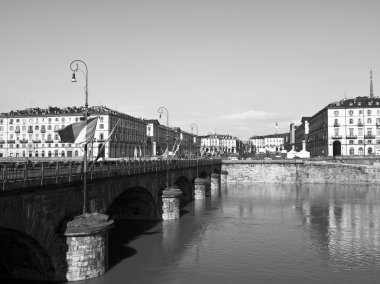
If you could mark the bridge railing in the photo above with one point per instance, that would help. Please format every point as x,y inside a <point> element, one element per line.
<point>24,176</point>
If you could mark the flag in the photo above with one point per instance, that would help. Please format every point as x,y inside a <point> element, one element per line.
<point>105,142</point>
<point>79,132</point>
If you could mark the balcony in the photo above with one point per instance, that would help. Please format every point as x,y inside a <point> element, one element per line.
<point>336,124</point>
<point>17,131</point>
<point>11,141</point>
<point>360,124</point>
<point>2,141</point>
<point>336,137</point>
<point>369,136</point>
<point>30,130</point>
<point>351,137</point>
<point>36,141</point>
<point>24,141</point>
<point>49,141</point>
<point>43,130</point>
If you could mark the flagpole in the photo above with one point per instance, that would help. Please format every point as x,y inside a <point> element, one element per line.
<point>74,67</point>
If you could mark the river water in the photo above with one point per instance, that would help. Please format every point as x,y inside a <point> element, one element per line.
<point>256,233</point>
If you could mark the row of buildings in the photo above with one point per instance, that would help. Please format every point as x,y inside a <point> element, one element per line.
<point>349,127</point>
<point>33,133</point>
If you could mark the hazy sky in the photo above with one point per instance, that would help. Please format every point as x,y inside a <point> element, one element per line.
<point>234,67</point>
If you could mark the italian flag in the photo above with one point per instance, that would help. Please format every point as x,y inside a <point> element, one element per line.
<point>79,132</point>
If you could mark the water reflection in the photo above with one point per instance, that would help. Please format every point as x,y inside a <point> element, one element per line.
<point>258,233</point>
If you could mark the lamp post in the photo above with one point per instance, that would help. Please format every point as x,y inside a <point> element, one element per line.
<point>161,111</point>
<point>75,68</point>
<point>194,125</point>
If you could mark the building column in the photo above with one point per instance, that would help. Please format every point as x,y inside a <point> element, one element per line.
<point>171,203</point>
<point>87,246</point>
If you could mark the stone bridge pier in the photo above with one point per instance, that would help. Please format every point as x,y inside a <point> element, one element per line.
<point>44,237</point>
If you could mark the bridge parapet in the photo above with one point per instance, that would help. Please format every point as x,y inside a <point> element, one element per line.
<point>26,177</point>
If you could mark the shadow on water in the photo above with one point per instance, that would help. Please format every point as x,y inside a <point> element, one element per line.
<point>183,212</point>
<point>123,233</point>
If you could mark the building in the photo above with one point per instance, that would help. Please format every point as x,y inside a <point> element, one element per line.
<point>271,142</point>
<point>348,127</point>
<point>33,133</point>
<point>218,144</point>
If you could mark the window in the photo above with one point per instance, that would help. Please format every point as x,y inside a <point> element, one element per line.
<point>336,132</point>
<point>350,141</point>
<point>360,152</point>
<point>369,112</point>
<point>351,132</point>
<point>360,111</point>
<point>369,120</point>
<point>351,121</point>
<point>101,126</point>
<point>336,113</point>
<point>369,151</point>
<point>351,112</point>
<point>369,142</point>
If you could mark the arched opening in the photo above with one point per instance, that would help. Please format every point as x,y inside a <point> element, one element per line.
<point>352,151</point>
<point>203,174</point>
<point>185,186</point>
<point>24,258</point>
<point>135,203</point>
<point>135,213</point>
<point>337,148</point>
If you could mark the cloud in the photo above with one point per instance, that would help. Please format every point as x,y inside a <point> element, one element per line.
<point>249,114</point>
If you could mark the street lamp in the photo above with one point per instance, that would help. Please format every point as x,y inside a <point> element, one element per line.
<point>161,111</point>
<point>194,125</point>
<point>75,68</point>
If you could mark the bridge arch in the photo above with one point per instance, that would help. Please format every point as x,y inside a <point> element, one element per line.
<point>187,189</point>
<point>22,257</point>
<point>136,203</point>
<point>203,174</point>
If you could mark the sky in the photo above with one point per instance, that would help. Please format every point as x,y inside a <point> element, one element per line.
<point>232,67</point>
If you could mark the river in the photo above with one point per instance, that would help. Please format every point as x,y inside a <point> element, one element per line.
<point>256,233</point>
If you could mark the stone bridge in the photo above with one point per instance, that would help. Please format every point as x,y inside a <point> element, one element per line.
<point>37,204</point>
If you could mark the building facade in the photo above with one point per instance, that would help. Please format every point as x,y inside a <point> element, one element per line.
<point>217,144</point>
<point>33,133</point>
<point>271,142</point>
<point>350,127</point>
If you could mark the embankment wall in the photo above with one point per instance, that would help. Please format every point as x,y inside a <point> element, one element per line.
<point>299,171</point>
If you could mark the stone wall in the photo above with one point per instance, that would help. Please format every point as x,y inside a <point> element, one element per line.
<point>300,172</point>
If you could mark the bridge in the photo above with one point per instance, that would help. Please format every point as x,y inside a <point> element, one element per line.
<point>39,238</point>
